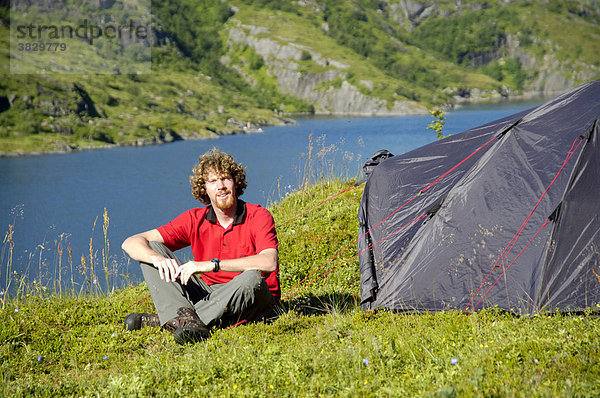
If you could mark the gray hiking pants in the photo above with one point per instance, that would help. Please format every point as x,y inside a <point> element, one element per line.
<point>244,297</point>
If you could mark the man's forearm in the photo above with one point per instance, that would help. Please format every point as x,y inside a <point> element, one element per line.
<point>266,261</point>
<point>138,249</point>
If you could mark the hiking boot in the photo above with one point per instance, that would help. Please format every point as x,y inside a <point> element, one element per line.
<point>187,327</point>
<point>190,335</point>
<point>137,321</point>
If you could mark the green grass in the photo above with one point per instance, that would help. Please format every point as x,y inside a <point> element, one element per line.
<point>320,344</point>
<point>130,108</point>
<point>337,352</point>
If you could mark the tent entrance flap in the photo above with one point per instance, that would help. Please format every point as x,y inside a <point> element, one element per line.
<point>569,278</point>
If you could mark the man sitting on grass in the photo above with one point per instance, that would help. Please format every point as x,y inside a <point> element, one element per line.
<point>234,245</point>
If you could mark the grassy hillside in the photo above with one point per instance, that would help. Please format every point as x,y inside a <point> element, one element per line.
<point>320,343</point>
<point>463,39</point>
<point>178,99</point>
<point>202,84</point>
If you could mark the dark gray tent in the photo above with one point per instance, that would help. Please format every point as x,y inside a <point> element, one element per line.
<point>503,215</point>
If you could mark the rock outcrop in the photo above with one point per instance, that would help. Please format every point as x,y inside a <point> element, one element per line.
<point>329,91</point>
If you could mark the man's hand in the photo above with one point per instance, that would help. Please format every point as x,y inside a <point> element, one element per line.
<point>192,267</point>
<point>168,269</point>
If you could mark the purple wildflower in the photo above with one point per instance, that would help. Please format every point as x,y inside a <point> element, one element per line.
<point>365,361</point>
<point>453,361</point>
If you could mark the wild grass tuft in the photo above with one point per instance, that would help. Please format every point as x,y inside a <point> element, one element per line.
<point>54,271</point>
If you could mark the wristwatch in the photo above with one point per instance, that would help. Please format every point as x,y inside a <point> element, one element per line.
<point>217,264</point>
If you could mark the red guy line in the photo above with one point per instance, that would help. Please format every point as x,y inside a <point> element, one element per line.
<point>319,204</point>
<point>510,265</point>
<point>140,300</point>
<point>515,238</point>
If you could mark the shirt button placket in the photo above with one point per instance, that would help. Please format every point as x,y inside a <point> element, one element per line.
<point>222,244</point>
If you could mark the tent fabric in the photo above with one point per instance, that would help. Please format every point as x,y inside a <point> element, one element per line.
<point>440,226</point>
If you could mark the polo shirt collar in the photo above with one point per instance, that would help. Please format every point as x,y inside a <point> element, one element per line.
<point>240,213</point>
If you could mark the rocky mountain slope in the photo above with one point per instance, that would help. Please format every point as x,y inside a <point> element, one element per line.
<point>454,51</point>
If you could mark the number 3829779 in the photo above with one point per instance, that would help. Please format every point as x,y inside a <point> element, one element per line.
<point>39,47</point>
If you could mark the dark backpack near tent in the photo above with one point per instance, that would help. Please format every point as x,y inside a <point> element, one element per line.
<point>374,161</point>
<point>503,215</point>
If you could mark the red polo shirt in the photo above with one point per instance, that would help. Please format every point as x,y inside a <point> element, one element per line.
<point>252,231</point>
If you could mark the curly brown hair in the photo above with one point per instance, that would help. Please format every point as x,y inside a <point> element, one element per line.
<point>219,163</point>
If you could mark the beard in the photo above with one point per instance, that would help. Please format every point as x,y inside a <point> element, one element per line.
<point>225,203</point>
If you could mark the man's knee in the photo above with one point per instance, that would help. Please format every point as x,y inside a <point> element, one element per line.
<point>251,278</point>
<point>254,289</point>
<point>252,282</point>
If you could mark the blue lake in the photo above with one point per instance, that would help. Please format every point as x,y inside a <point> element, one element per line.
<point>57,198</point>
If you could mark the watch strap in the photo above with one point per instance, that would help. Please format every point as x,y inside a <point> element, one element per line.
<point>217,264</point>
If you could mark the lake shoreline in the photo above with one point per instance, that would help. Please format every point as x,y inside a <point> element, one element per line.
<point>66,148</point>
<point>144,143</point>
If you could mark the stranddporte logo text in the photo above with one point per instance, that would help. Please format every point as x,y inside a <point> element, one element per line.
<point>111,37</point>
<point>84,30</point>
